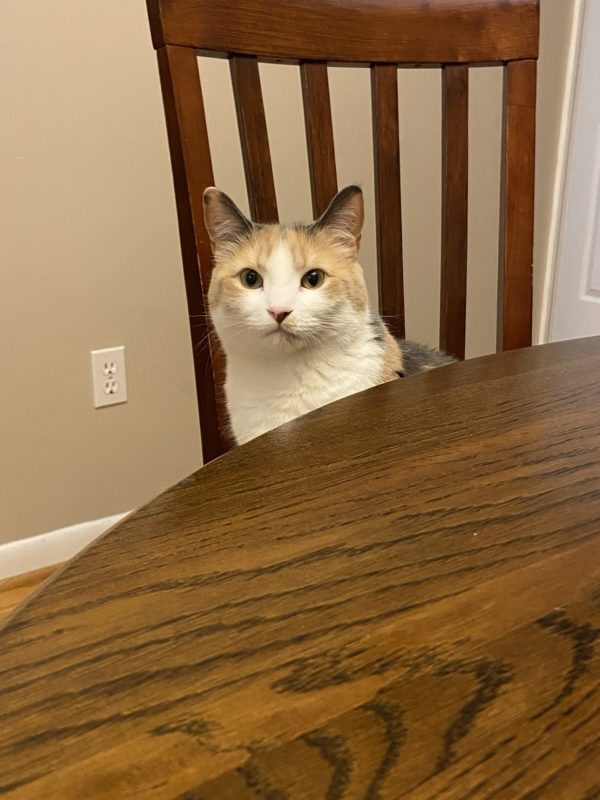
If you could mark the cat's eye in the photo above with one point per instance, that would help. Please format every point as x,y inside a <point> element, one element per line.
<point>251,279</point>
<point>313,279</point>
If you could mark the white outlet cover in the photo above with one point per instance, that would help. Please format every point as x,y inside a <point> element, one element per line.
<point>109,376</point>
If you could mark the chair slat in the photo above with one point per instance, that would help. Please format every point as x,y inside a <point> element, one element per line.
<point>192,173</point>
<point>386,145</point>
<point>319,134</point>
<point>455,156</point>
<point>515,289</point>
<point>254,139</point>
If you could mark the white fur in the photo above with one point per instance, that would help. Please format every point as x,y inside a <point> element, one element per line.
<point>323,351</point>
<point>263,393</point>
<point>281,278</point>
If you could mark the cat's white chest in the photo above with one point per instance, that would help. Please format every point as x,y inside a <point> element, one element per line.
<point>263,395</point>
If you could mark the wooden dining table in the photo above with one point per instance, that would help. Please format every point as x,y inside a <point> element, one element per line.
<point>396,596</point>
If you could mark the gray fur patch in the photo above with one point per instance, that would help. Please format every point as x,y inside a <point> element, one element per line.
<point>378,329</point>
<point>418,357</point>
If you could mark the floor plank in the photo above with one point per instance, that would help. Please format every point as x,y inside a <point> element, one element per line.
<point>14,590</point>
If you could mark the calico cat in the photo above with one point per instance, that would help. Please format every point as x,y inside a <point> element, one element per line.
<point>289,305</point>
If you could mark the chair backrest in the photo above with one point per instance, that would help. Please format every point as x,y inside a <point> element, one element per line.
<point>380,35</point>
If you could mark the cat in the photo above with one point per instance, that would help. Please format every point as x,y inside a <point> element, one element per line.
<point>290,307</point>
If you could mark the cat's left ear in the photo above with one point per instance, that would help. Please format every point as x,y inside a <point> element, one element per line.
<point>344,216</point>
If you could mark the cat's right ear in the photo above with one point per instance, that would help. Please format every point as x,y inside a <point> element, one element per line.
<point>225,223</point>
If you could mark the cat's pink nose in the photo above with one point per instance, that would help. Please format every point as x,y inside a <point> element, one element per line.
<point>279,314</point>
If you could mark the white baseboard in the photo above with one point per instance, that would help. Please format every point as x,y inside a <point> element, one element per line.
<point>52,547</point>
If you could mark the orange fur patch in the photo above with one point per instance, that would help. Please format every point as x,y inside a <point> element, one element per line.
<point>392,359</point>
<point>309,249</point>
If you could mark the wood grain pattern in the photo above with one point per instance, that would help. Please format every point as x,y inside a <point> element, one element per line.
<point>515,287</point>
<point>192,173</point>
<point>455,192</point>
<point>388,210</point>
<point>13,591</point>
<point>394,597</point>
<point>254,138</point>
<point>370,31</point>
<point>319,135</point>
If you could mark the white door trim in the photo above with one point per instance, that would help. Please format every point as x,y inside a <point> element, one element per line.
<point>557,213</point>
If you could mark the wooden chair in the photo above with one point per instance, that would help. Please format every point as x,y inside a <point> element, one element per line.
<point>380,35</point>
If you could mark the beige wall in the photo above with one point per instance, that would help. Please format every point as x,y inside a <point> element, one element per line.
<point>90,253</point>
<point>90,259</point>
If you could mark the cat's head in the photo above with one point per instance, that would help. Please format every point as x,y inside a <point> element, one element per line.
<point>280,288</point>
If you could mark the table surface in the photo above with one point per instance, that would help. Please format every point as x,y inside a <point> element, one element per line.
<point>397,596</point>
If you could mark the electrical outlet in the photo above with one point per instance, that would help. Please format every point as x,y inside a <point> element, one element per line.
<point>108,374</point>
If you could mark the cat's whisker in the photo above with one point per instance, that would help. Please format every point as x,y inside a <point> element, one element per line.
<point>198,347</point>
<point>204,340</point>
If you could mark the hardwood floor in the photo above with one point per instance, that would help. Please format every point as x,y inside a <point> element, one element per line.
<point>14,590</point>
